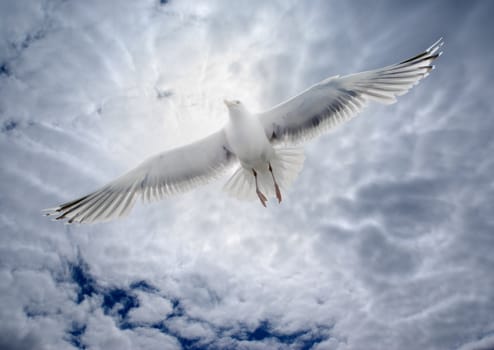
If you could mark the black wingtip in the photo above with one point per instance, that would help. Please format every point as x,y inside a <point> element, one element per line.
<point>420,55</point>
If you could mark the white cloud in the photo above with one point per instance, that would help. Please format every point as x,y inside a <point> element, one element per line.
<point>152,308</point>
<point>383,242</point>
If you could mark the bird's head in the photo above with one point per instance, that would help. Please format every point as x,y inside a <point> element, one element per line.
<point>233,104</point>
<point>235,108</point>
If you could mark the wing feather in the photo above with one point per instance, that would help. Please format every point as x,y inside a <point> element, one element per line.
<point>167,173</point>
<point>337,99</point>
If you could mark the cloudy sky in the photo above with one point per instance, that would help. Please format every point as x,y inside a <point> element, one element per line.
<point>385,241</point>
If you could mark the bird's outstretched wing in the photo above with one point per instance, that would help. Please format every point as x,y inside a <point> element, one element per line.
<point>170,172</point>
<point>338,99</point>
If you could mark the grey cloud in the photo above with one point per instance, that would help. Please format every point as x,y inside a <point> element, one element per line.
<point>13,340</point>
<point>408,209</point>
<point>384,258</point>
<point>484,343</point>
<point>384,241</point>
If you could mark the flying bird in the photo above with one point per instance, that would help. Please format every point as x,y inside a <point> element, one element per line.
<point>266,147</point>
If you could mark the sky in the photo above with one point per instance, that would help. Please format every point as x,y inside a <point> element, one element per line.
<point>384,241</point>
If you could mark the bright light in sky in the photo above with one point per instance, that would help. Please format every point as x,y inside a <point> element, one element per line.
<point>384,241</point>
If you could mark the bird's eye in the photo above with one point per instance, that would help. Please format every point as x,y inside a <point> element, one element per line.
<point>237,102</point>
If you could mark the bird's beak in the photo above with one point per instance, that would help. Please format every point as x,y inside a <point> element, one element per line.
<point>228,103</point>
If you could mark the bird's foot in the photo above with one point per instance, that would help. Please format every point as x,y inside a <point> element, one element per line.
<point>278,192</point>
<point>262,198</point>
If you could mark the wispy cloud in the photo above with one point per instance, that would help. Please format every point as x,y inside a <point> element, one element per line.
<point>384,241</point>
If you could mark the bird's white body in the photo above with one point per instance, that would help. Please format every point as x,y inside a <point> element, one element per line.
<point>247,138</point>
<point>267,145</point>
<point>263,169</point>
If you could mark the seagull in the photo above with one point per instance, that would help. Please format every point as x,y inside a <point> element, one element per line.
<point>266,147</point>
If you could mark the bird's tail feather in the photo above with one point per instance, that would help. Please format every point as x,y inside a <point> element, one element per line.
<point>286,165</point>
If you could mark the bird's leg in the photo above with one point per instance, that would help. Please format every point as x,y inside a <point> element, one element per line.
<point>261,195</point>
<point>276,187</point>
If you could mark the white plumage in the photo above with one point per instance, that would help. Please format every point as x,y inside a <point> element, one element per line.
<point>265,145</point>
